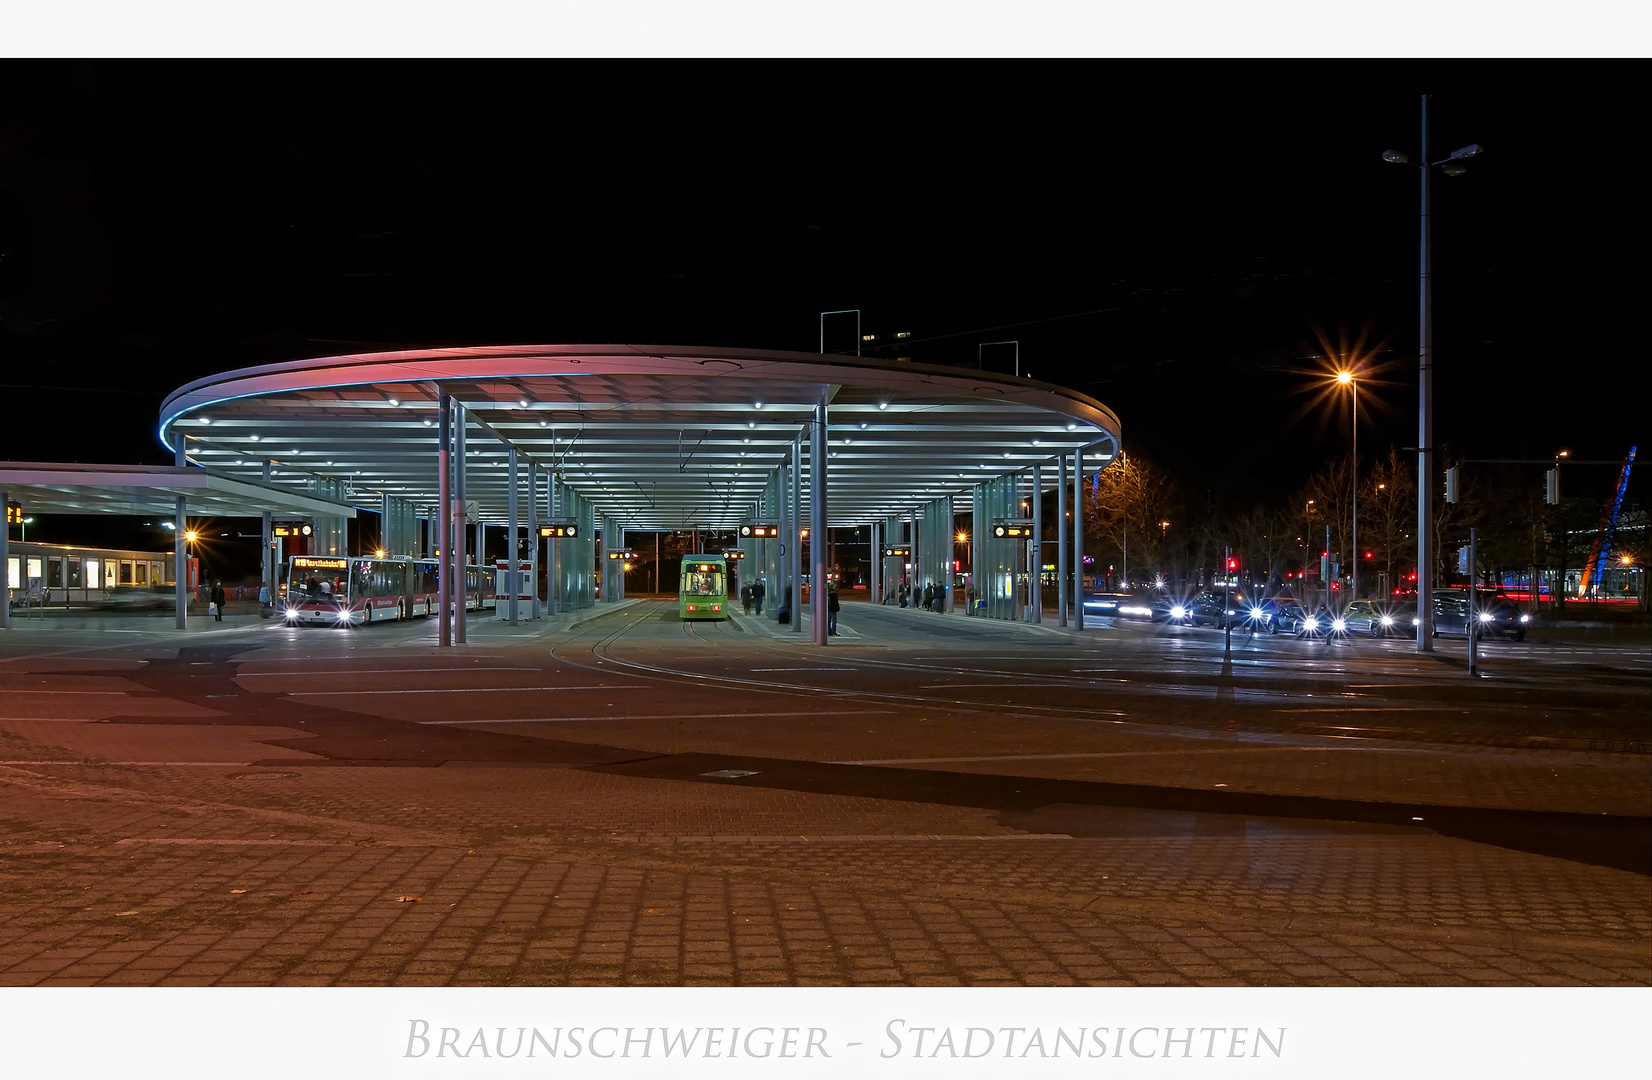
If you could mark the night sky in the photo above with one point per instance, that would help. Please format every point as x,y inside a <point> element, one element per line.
<point>1170,238</point>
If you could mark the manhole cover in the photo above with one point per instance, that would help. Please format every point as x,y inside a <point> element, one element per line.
<point>263,776</point>
<point>730,774</point>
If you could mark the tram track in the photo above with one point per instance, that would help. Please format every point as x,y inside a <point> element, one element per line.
<point>1261,719</point>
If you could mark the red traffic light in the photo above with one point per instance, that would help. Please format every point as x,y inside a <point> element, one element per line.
<point>1233,564</point>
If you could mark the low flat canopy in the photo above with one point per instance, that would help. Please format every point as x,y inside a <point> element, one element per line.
<point>73,488</point>
<point>657,437</point>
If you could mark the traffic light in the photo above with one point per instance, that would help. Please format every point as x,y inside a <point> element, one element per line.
<point>1451,483</point>
<point>1551,493</point>
<point>1233,564</point>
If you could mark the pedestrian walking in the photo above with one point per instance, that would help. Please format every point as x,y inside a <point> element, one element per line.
<point>215,598</point>
<point>929,596</point>
<point>832,607</point>
<point>745,597</point>
<point>757,591</point>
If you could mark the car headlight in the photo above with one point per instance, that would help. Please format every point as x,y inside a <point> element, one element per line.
<point>1178,612</point>
<point>1525,618</point>
<point>1339,625</point>
<point>1311,623</point>
<point>1258,614</point>
<point>1486,616</point>
<point>1388,620</point>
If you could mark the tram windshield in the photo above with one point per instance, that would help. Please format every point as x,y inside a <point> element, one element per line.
<point>702,579</point>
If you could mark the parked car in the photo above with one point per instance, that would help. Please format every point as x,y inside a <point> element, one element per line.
<point>1235,607</point>
<point>1211,608</point>
<point>1495,616</point>
<point>1288,616</point>
<point>1365,617</point>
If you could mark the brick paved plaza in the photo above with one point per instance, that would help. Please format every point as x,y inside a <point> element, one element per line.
<point>932,800</point>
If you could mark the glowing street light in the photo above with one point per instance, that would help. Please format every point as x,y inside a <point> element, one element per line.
<point>1346,378</point>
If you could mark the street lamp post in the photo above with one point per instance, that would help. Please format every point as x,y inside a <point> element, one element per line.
<point>1307,544</point>
<point>1451,166</point>
<point>1346,378</point>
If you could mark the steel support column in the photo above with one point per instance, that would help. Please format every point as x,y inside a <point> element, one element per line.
<point>442,521</point>
<point>512,575</point>
<point>1061,539</point>
<point>267,577</point>
<point>951,579</point>
<point>914,578</point>
<point>553,587</point>
<point>1035,572</point>
<point>1078,538</point>
<point>460,422</point>
<point>797,536</point>
<point>533,539</point>
<point>875,569</point>
<point>180,545</point>
<point>782,583</point>
<point>817,525</point>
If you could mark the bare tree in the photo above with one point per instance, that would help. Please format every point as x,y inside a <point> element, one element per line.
<point>1388,513</point>
<point>1131,503</point>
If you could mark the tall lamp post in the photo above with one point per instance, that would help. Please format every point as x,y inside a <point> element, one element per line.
<point>1346,378</point>
<point>1307,546</point>
<point>1451,166</point>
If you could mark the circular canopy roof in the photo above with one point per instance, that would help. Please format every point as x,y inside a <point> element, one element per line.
<point>660,438</point>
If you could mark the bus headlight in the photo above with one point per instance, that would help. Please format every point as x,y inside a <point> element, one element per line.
<point>292,613</point>
<point>344,614</point>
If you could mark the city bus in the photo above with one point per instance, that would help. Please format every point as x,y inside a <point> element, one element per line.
<point>702,590</point>
<point>329,590</point>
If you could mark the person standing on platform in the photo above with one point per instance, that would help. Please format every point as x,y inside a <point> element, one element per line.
<point>216,599</point>
<point>832,607</point>
<point>758,589</point>
<point>745,597</point>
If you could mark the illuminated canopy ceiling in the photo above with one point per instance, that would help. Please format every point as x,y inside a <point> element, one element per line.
<point>657,437</point>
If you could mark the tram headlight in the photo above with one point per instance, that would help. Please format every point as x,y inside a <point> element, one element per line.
<point>1339,625</point>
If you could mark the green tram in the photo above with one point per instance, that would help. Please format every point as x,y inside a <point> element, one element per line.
<point>702,591</point>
